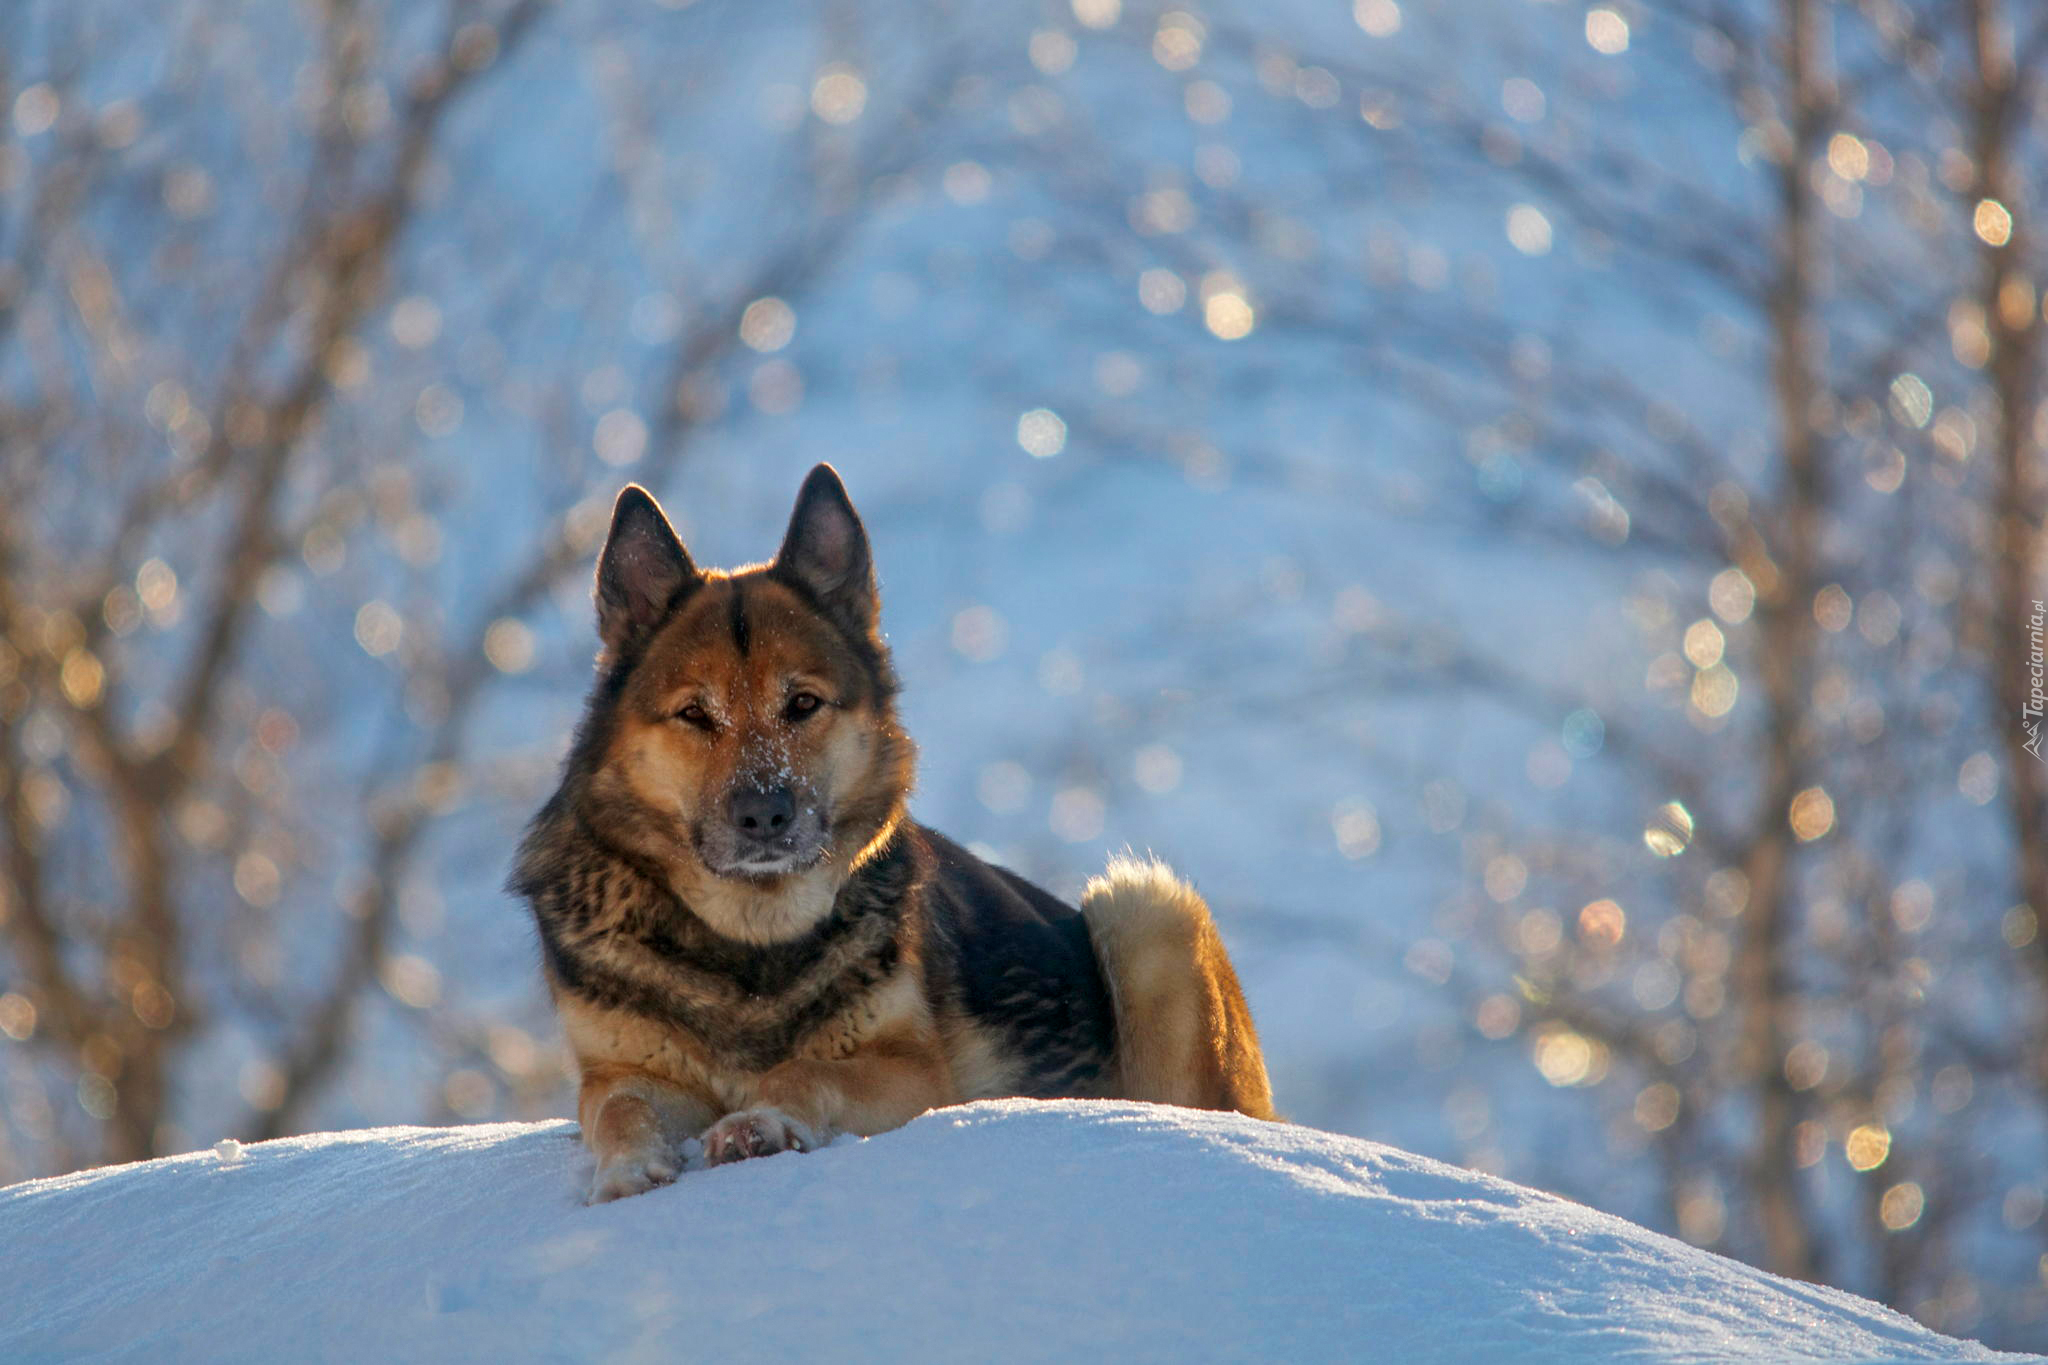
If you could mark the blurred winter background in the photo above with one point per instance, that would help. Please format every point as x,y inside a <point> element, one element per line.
<point>1537,506</point>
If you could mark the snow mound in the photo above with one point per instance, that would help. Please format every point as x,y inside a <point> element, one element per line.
<point>1000,1231</point>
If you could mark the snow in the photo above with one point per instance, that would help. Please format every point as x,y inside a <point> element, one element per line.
<point>1008,1230</point>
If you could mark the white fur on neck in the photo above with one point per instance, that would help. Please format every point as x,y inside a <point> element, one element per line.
<point>761,915</point>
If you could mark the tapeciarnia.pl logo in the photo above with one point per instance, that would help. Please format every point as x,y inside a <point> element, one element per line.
<point>2037,698</point>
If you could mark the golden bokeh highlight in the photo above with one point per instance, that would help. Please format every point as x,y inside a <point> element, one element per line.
<point>1812,814</point>
<point>1901,1206</point>
<point>1714,691</point>
<point>1848,156</point>
<point>1602,922</point>
<point>1226,311</point>
<point>1566,1057</point>
<point>1993,222</point>
<point>81,678</point>
<point>1867,1146</point>
<point>1704,644</point>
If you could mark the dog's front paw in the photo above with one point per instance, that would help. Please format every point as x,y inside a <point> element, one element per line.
<point>755,1132</point>
<point>632,1173</point>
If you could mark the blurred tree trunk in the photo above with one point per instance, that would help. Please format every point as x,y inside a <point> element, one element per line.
<point>1784,573</point>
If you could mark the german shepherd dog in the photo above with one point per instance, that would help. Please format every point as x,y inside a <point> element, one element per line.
<point>747,938</point>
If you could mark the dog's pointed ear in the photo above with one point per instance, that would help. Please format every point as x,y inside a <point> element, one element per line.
<point>825,551</point>
<point>641,571</point>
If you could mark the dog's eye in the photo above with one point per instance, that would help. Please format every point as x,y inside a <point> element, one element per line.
<point>802,704</point>
<point>696,715</point>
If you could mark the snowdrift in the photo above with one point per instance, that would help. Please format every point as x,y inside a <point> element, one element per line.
<point>993,1232</point>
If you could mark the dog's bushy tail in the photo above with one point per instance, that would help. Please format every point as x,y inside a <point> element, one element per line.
<point>1184,1034</point>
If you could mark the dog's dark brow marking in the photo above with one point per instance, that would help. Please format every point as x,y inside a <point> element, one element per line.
<point>738,606</point>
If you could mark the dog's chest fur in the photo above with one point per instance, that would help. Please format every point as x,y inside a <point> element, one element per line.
<point>1001,973</point>
<point>616,942</point>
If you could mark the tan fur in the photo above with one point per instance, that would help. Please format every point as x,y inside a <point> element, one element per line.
<point>884,1085</point>
<point>634,1125</point>
<point>673,769</point>
<point>1184,1032</point>
<point>614,1045</point>
<point>647,1086</point>
<point>980,1068</point>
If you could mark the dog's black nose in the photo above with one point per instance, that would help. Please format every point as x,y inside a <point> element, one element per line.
<point>762,814</point>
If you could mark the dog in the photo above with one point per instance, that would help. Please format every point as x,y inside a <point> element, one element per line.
<point>750,942</point>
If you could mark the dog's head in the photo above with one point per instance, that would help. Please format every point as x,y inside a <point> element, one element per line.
<point>743,734</point>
